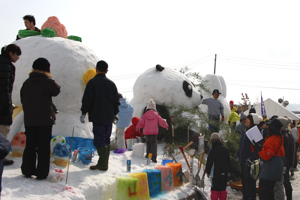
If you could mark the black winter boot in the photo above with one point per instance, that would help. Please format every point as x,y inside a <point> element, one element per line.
<point>103,159</point>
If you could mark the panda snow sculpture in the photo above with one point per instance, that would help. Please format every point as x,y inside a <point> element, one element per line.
<point>165,86</point>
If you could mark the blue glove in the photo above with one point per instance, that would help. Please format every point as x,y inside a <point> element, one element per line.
<point>82,118</point>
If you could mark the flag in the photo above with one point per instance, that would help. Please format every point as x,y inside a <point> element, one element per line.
<point>263,109</point>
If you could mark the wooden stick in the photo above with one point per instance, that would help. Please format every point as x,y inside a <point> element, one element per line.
<point>69,156</point>
<point>188,137</point>
<point>187,163</point>
<point>189,144</point>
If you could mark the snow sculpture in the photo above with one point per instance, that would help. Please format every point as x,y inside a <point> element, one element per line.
<point>125,188</point>
<point>54,23</point>
<point>177,173</point>
<point>18,144</point>
<point>69,60</point>
<point>60,154</point>
<point>165,86</point>
<point>56,140</point>
<point>142,185</point>
<point>166,177</point>
<point>154,181</point>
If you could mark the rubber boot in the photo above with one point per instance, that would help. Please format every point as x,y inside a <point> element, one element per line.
<point>108,152</point>
<point>103,159</point>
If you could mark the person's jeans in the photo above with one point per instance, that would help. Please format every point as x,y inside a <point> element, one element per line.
<point>102,134</point>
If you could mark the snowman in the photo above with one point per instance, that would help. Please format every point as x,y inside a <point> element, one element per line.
<point>72,65</point>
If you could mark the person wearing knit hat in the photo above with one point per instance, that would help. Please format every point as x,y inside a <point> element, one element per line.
<point>151,105</point>
<point>149,122</point>
<point>39,117</point>
<point>272,155</point>
<point>41,64</point>
<point>217,167</point>
<point>289,147</point>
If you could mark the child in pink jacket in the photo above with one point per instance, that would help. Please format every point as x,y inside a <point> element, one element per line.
<point>149,122</point>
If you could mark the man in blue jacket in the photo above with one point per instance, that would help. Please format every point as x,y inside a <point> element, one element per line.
<point>125,116</point>
<point>101,101</point>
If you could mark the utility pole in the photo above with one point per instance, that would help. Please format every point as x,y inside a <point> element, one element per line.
<point>215,63</point>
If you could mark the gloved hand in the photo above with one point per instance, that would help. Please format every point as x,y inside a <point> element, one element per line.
<point>257,145</point>
<point>248,162</point>
<point>116,119</point>
<point>82,118</point>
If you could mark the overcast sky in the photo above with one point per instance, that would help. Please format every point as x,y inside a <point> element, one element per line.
<point>257,42</point>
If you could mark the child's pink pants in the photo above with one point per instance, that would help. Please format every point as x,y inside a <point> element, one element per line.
<point>218,195</point>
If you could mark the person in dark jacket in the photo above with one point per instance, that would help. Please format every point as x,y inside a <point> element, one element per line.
<point>29,22</point>
<point>217,167</point>
<point>39,116</point>
<point>4,150</point>
<point>100,100</point>
<point>9,55</point>
<point>247,154</point>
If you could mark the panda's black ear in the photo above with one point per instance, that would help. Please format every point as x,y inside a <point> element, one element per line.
<point>159,68</point>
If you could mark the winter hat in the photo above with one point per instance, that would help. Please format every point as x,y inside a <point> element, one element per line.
<point>285,122</point>
<point>276,125</point>
<point>41,64</point>
<point>215,137</point>
<point>252,110</point>
<point>151,105</point>
<point>242,116</point>
<point>231,102</point>
<point>264,115</point>
<point>256,118</point>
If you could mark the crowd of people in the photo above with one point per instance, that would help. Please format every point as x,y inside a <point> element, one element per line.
<point>277,149</point>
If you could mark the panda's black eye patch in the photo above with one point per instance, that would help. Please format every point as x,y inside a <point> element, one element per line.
<point>187,88</point>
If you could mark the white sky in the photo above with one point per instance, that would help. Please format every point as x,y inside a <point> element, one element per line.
<point>257,42</point>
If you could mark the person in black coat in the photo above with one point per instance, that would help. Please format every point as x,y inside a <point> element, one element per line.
<point>101,100</point>
<point>217,167</point>
<point>9,55</point>
<point>39,116</point>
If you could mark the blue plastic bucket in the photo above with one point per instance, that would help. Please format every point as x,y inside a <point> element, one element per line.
<point>165,161</point>
<point>85,154</point>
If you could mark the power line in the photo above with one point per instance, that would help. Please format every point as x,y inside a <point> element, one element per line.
<point>261,61</point>
<point>260,86</point>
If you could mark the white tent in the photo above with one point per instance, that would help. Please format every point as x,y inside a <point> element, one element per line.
<point>274,108</point>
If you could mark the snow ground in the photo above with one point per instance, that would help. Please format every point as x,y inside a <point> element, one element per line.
<point>92,185</point>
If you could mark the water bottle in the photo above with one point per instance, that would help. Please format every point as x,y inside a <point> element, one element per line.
<point>74,157</point>
<point>128,165</point>
<point>149,158</point>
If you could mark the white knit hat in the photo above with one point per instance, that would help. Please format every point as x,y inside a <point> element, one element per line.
<point>285,122</point>
<point>151,105</point>
<point>256,118</point>
<point>215,137</point>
